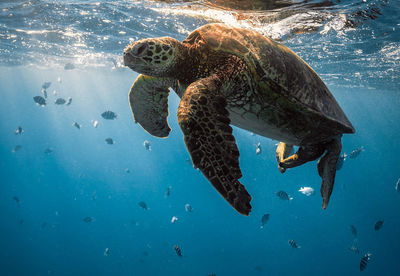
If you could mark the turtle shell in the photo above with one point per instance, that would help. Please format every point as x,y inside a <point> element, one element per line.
<point>282,77</point>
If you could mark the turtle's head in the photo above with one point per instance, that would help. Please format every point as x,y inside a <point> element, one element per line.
<point>153,56</point>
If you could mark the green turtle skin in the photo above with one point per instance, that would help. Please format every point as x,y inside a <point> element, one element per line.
<point>227,75</point>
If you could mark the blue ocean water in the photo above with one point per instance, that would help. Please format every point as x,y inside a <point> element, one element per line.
<point>70,202</point>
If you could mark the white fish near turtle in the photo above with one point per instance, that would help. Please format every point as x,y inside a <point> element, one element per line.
<point>75,124</point>
<point>39,100</point>
<point>60,101</point>
<point>109,141</point>
<point>308,191</point>
<point>109,115</point>
<point>173,219</point>
<point>258,148</point>
<point>95,123</point>
<point>19,131</point>
<point>44,92</point>
<point>147,145</point>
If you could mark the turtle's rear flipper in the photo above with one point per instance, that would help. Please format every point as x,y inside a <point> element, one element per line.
<point>303,155</point>
<point>204,120</point>
<point>283,150</point>
<point>148,98</point>
<point>327,169</point>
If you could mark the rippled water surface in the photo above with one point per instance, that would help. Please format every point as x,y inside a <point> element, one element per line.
<point>72,200</point>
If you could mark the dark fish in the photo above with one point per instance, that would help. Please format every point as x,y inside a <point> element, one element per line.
<point>293,244</point>
<point>75,124</point>
<point>109,141</point>
<point>211,274</point>
<point>356,152</point>
<point>46,85</point>
<point>109,115</point>
<point>44,224</point>
<point>168,191</point>
<point>127,170</point>
<point>143,205</point>
<point>88,219</point>
<point>16,199</point>
<point>44,92</point>
<point>60,101</point>
<point>264,220</point>
<point>19,130</point>
<point>69,66</point>
<point>353,230</point>
<point>69,101</point>
<point>16,148</point>
<point>48,151</point>
<point>178,251</point>
<point>364,261</point>
<point>283,195</point>
<point>188,208</point>
<point>378,225</point>
<point>39,100</point>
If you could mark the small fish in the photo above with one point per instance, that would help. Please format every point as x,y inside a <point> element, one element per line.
<point>59,79</point>
<point>293,244</point>
<point>54,92</point>
<point>106,251</point>
<point>353,230</point>
<point>174,219</point>
<point>19,131</point>
<point>168,191</point>
<point>178,251</point>
<point>364,261</point>
<point>16,199</point>
<point>109,141</point>
<point>75,124</point>
<point>258,149</point>
<point>397,187</point>
<point>16,148</point>
<point>59,101</point>
<point>94,123</point>
<point>88,219</point>
<point>143,205</point>
<point>147,145</point>
<point>340,161</point>
<point>69,101</point>
<point>378,225</point>
<point>356,152</point>
<point>127,170</point>
<point>109,115</point>
<point>46,85</point>
<point>211,274</point>
<point>48,151</point>
<point>69,66</point>
<point>44,224</point>
<point>354,249</point>
<point>307,191</point>
<point>264,220</point>
<point>39,100</point>
<point>44,92</point>
<point>188,208</point>
<point>283,195</point>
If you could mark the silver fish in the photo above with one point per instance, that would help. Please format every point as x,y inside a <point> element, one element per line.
<point>147,145</point>
<point>59,101</point>
<point>39,100</point>
<point>356,152</point>
<point>283,195</point>
<point>69,101</point>
<point>340,161</point>
<point>397,187</point>
<point>109,141</point>
<point>107,251</point>
<point>188,208</point>
<point>354,249</point>
<point>264,220</point>
<point>293,244</point>
<point>258,148</point>
<point>364,261</point>
<point>19,131</point>
<point>143,205</point>
<point>109,115</point>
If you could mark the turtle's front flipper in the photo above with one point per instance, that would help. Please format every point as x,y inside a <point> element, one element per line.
<point>204,120</point>
<point>283,150</point>
<point>327,169</point>
<point>148,98</point>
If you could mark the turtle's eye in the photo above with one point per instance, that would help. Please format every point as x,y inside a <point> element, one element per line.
<point>139,49</point>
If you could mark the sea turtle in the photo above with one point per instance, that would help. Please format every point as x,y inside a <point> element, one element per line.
<point>227,75</point>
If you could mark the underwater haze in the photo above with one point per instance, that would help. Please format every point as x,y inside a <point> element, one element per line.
<point>86,191</point>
